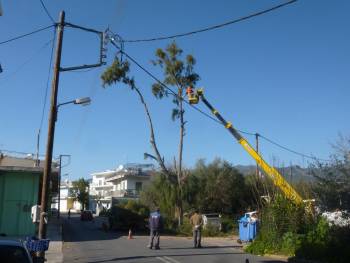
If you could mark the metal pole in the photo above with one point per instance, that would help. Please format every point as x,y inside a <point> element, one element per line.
<point>51,130</point>
<point>59,188</point>
<point>37,149</point>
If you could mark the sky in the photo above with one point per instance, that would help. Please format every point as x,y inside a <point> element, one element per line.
<point>284,74</point>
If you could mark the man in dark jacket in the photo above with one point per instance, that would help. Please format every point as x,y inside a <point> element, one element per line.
<point>155,225</point>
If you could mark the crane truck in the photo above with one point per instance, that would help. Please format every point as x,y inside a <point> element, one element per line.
<point>194,96</point>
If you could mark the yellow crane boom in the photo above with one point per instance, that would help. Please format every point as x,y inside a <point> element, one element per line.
<point>275,176</point>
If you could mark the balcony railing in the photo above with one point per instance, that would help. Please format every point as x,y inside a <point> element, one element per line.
<point>130,193</point>
<point>94,185</point>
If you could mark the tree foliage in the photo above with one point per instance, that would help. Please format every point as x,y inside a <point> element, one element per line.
<point>219,187</point>
<point>214,187</point>
<point>180,74</point>
<point>332,187</point>
<point>80,192</point>
<point>177,73</point>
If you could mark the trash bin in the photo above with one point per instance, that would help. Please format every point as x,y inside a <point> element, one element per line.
<point>37,245</point>
<point>247,228</point>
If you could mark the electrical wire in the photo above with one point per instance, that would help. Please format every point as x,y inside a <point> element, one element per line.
<point>292,151</point>
<point>35,55</point>
<point>204,113</point>
<point>18,153</point>
<point>27,34</point>
<point>162,84</point>
<point>215,26</point>
<point>47,81</point>
<point>47,11</point>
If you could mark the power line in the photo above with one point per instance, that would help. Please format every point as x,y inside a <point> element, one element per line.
<point>47,12</point>
<point>16,152</point>
<point>213,27</point>
<point>27,34</point>
<point>162,84</point>
<point>47,81</point>
<point>11,74</point>
<point>202,112</point>
<point>292,151</point>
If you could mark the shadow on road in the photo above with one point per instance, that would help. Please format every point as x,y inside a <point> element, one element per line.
<point>204,247</point>
<point>75,230</point>
<point>172,255</point>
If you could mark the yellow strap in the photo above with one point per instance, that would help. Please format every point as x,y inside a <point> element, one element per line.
<point>228,125</point>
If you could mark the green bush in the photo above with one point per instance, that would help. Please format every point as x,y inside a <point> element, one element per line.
<point>136,207</point>
<point>186,228</point>
<point>229,225</point>
<point>170,225</point>
<point>124,219</point>
<point>211,231</point>
<point>290,243</point>
<point>281,228</point>
<point>325,243</point>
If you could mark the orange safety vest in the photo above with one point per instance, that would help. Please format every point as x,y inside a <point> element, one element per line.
<point>189,90</point>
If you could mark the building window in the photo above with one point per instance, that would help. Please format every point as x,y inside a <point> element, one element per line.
<point>138,186</point>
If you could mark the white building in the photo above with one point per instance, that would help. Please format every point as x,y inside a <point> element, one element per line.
<point>66,202</point>
<point>125,182</point>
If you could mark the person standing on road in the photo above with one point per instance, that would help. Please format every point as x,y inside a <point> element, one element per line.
<point>69,213</point>
<point>196,221</point>
<point>155,225</point>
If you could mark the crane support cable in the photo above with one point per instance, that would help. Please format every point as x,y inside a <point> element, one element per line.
<point>215,26</point>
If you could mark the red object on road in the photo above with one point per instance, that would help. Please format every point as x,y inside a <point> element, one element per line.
<point>130,234</point>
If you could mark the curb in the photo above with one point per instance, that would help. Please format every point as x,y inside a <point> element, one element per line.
<point>54,254</point>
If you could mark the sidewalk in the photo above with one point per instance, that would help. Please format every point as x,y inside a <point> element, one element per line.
<point>54,233</point>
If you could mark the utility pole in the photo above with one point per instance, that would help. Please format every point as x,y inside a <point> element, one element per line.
<point>51,130</point>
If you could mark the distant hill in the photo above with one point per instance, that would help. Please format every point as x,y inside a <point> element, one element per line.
<point>292,173</point>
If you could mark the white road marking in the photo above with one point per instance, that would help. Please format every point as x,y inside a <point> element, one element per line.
<point>172,260</point>
<point>168,259</point>
<point>162,259</point>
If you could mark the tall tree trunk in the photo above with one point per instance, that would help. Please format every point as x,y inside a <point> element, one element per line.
<point>153,140</point>
<point>179,171</point>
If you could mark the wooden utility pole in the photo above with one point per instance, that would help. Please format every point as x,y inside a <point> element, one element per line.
<point>51,130</point>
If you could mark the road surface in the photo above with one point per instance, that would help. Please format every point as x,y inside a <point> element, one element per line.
<point>86,242</point>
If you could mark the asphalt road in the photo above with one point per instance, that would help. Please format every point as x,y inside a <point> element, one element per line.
<point>86,242</point>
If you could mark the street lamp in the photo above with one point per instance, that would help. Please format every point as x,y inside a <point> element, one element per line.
<point>49,149</point>
<point>82,101</point>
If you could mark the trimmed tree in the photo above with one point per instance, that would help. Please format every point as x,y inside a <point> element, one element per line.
<point>177,73</point>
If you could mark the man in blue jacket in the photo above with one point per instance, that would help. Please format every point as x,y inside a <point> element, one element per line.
<point>155,225</point>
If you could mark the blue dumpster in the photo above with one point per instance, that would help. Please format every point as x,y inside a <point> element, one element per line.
<point>247,228</point>
<point>37,245</point>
